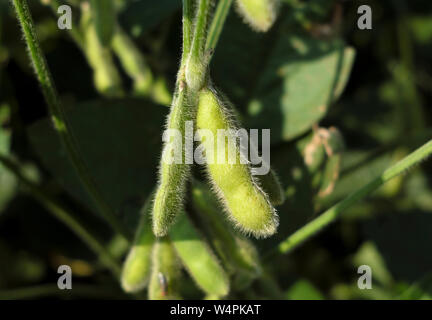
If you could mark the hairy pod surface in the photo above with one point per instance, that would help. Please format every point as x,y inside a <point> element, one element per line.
<point>195,73</point>
<point>104,15</point>
<point>259,14</point>
<point>168,201</point>
<point>238,254</point>
<point>198,259</point>
<point>105,75</point>
<point>245,202</point>
<point>165,272</point>
<point>136,268</point>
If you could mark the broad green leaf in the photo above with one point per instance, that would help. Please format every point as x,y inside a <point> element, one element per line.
<point>303,77</point>
<point>120,140</point>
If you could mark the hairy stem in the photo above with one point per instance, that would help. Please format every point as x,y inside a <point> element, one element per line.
<point>196,63</point>
<point>217,23</point>
<point>58,116</point>
<point>64,216</point>
<point>187,27</point>
<point>197,46</point>
<point>332,214</point>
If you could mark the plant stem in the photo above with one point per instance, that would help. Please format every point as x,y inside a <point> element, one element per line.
<point>329,216</point>
<point>196,64</point>
<point>197,46</point>
<point>64,216</point>
<point>59,119</point>
<point>187,27</point>
<point>218,23</point>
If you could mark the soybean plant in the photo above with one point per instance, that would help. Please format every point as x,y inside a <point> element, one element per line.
<point>188,226</point>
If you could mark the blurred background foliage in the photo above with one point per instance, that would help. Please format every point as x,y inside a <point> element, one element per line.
<point>313,79</point>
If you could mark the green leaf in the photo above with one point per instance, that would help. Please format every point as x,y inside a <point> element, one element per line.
<point>120,140</point>
<point>303,77</point>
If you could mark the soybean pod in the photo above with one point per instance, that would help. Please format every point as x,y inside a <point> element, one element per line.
<point>238,254</point>
<point>247,205</point>
<point>165,274</point>
<point>136,269</point>
<point>198,259</point>
<point>106,77</point>
<point>174,167</point>
<point>259,14</point>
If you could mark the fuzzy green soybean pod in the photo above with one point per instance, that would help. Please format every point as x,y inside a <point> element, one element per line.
<point>104,15</point>
<point>174,168</point>
<point>198,259</point>
<point>165,274</point>
<point>106,77</point>
<point>259,14</point>
<point>238,254</point>
<point>246,204</point>
<point>136,268</point>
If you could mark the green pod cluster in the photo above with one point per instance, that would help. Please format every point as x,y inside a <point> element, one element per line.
<point>198,259</point>
<point>136,268</point>
<point>259,14</point>
<point>106,78</point>
<point>165,274</point>
<point>238,254</point>
<point>104,15</point>
<point>173,176</point>
<point>247,205</point>
<point>133,62</point>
